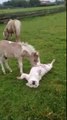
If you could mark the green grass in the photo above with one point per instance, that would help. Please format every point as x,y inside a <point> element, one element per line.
<point>15,10</point>
<point>48,101</point>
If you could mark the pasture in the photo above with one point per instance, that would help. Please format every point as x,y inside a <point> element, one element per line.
<point>47,102</point>
<point>16,10</point>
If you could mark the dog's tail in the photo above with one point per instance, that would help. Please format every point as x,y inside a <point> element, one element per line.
<point>52,61</point>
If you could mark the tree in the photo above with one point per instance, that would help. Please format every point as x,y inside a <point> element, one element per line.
<point>16,3</point>
<point>65,2</point>
<point>34,2</point>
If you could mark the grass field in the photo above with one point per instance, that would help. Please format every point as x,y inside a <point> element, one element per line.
<point>48,101</point>
<point>15,10</point>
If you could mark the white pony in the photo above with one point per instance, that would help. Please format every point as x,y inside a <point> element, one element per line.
<point>17,50</point>
<point>12,27</point>
<point>36,73</point>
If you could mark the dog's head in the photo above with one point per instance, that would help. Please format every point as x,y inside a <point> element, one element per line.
<point>33,83</point>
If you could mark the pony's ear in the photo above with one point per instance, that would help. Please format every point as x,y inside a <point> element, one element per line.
<point>35,54</point>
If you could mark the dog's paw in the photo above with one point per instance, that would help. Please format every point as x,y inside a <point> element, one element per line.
<point>10,71</point>
<point>18,77</point>
<point>4,73</point>
<point>27,84</point>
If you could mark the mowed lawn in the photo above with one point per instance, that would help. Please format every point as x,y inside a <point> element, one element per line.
<point>47,102</point>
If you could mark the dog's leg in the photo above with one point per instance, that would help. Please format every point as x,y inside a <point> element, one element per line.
<point>2,66</point>
<point>24,75</point>
<point>7,66</point>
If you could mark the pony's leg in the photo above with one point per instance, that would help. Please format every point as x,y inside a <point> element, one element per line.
<point>20,65</point>
<point>7,37</point>
<point>7,66</point>
<point>24,75</point>
<point>17,33</point>
<point>2,66</point>
<point>17,38</point>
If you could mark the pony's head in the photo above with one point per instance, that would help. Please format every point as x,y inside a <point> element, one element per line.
<point>34,58</point>
<point>31,53</point>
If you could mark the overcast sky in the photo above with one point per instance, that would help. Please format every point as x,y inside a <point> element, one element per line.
<point>1,1</point>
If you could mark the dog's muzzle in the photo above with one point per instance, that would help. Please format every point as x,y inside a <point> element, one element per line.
<point>33,82</point>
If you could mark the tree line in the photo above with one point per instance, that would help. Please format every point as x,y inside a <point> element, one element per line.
<point>21,3</point>
<point>25,3</point>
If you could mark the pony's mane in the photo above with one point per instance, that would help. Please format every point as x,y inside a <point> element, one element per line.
<point>29,48</point>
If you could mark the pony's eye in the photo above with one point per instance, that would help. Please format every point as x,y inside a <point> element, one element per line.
<point>35,60</point>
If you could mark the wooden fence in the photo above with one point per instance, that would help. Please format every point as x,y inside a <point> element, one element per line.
<point>22,15</point>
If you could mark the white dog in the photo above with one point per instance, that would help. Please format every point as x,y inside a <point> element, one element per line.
<point>36,73</point>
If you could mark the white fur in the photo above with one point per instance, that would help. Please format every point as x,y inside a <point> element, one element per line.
<point>36,73</point>
<point>27,47</point>
<point>10,42</point>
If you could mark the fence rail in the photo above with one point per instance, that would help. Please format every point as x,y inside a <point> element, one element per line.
<point>21,15</point>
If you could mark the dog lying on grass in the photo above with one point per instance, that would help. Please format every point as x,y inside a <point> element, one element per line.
<point>36,73</point>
